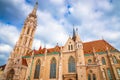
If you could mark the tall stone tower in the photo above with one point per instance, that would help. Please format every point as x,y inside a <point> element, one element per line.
<point>14,65</point>
<point>80,61</point>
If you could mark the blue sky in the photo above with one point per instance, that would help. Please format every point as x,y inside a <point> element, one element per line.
<point>95,19</point>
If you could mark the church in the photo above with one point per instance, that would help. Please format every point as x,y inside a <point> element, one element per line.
<point>75,60</point>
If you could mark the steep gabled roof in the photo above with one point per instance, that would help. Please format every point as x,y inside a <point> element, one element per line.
<point>98,45</point>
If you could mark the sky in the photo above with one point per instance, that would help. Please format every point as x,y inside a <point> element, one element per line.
<point>95,19</point>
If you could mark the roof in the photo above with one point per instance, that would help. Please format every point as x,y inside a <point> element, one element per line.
<point>2,67</point>
<point>42,51</point>
<point>98,45</point>
<point>24,62</point>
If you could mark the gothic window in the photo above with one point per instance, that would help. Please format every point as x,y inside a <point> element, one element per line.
<point>25,41</point>
<point>28,30</point>
<point>53,68</point>
<point>114,60</point>
<point>68,47</point>
<point>71,47</point>
<point>118,71</point>
<point>37,70</point>
<point>32,32</point>
<point>103,61</point>
<point>89,60</point>
<point>94,77</point>
<point>89,77</point>
<point>71,64</point>
<point>109,74</point>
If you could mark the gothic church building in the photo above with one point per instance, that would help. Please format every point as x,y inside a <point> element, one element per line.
<point>75,60</point>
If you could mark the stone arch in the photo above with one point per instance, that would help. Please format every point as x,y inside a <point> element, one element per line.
<point>10,74</point>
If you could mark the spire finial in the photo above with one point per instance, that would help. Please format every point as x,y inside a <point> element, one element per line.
<point>74,32</point>
<point>35,8</point>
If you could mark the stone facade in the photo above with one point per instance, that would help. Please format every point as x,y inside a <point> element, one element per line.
<point>95,60</point>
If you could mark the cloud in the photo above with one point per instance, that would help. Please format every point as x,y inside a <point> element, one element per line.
<point>13,11</point>
<point>51,28</point>
<point>8,33</point>
<point>5,49</point>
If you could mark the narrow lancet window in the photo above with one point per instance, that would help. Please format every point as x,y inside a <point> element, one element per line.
<point>71,65</point>
<point>37,70</point>
<point>103,61</point>
<point>53,68</point>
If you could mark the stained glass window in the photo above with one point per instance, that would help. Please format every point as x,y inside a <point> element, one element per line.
<point>53,68</point>
<point>37,70</point>
<point>94,77</point>
<point>71,65</point>
<point>89,77</point>
<point>118,71</point>
<point>103,61</point>
<point>114,60</point>
<point>109,74</point>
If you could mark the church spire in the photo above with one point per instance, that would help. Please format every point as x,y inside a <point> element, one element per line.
<point>35,9</point>
<point>75,36</point>
<point>75,33</point>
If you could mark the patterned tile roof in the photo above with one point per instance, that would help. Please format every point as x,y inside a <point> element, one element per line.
<point>98,45</point>
<point>24,62</point>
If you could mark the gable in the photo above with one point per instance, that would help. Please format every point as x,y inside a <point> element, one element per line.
<point>69,45</point>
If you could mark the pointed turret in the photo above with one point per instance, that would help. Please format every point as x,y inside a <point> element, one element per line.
<point>75,36</point>
<point>34,10</point>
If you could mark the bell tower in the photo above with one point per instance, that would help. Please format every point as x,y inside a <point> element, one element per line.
<point>22,47</point>
<point>24,44</point>
<point>80,61</point>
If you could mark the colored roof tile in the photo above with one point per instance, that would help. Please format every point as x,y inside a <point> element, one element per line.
<point>24,62</point>
<point>98,45</point>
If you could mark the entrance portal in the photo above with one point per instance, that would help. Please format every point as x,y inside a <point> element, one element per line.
<point>69,77</point>
<point>10,74</point>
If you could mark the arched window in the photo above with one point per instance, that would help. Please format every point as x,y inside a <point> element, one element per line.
<point>94,77</point>
<point>103,61</point>
<point>71,47</point>
<point>68,47</point>
<point>71,64</point>
<point>37,70</point>
<point>89,77</point>
<point>114,60</point>
<point>53,68</point>
<point>28,30</point>
<point>109,74</point>
<point>118,71</point>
